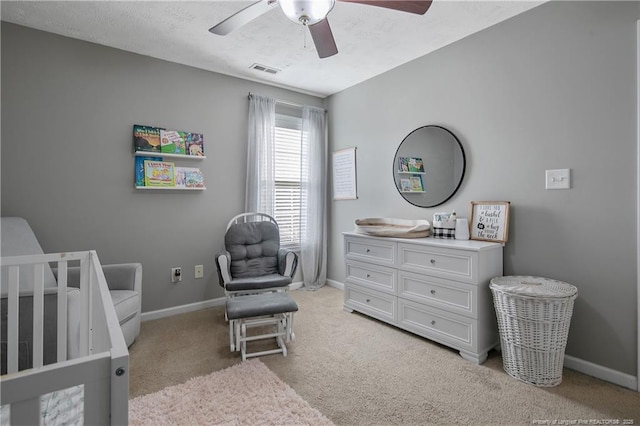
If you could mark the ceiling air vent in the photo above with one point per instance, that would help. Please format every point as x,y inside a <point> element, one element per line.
<point>264,68</point>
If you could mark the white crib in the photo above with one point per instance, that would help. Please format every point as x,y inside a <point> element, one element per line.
<point>91,360</point>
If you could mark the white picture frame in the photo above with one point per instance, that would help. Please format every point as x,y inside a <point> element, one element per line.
<point>490,221</point>
<point>344,174</point>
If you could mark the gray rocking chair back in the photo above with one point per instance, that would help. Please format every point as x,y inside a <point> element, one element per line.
<point>253,258</point>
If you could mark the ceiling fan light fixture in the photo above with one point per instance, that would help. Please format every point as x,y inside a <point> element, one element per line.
<point>306,12</point>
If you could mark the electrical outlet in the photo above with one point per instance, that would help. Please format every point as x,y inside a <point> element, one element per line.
<point>176,274</point>
<point>198,271</point>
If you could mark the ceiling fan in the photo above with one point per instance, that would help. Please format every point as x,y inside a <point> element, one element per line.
<point>312,14</point>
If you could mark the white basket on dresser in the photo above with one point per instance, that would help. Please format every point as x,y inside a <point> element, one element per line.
<point>438,289</point>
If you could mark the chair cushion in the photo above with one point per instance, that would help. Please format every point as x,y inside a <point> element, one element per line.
<point>258,283</point>
<point>126,303</point>
<point>254,249</point>
<point>256,305</point>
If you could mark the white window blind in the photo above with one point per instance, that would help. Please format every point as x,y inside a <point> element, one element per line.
<point>287,178</point>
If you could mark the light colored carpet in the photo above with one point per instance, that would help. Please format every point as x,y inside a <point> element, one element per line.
<point>359,371</point>
<point>245,394</point>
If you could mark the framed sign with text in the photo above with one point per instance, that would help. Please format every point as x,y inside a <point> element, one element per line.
<point>490,221</point>
<point>344,174</point>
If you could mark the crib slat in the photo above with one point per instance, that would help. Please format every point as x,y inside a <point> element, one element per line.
<point>85,296</point>
<point>62,311</point>
<point>12,319</point>
<point>38,314</point>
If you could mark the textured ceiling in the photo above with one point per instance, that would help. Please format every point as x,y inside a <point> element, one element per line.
<point>370,40</point>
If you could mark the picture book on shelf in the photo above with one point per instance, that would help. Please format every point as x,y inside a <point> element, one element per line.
<point>193,177</point>
<point>405,185</point>
<point>416,183</point>
<point>140,168</point>
<point>172,142</point>
<point>146,138</point>
<point>411,165</point>
<point>159,173</point>
<point>194,143</point>
<point>179,177</point>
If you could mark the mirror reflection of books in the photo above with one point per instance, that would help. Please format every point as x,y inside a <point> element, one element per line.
<point>405,185</point>
<point>416,183</point>
<point>411,165</point>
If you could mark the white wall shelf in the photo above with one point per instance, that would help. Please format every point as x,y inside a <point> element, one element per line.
<point>168,155</point>
<point>170,188</point>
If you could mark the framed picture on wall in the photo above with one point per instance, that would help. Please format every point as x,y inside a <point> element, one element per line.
<point>344,174</point>
<point>490,221</point>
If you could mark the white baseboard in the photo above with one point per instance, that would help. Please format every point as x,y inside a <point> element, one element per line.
<point>600,372</point>
<point>162,313</point>
<point>335,284</point>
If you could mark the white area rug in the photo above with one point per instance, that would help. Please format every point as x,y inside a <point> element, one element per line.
<point>244,394</point>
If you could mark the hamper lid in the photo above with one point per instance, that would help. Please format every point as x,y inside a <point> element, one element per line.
<point>533,286</point>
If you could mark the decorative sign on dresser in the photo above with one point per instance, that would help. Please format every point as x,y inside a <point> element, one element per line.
<point>438,289</point>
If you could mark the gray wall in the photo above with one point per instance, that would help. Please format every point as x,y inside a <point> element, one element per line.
<point>68,108</point>
<point>552,88</point>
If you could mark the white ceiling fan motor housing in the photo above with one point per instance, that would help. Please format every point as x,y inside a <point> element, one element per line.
<point>306,12</point>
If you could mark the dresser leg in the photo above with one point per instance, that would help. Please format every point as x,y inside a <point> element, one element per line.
<point>347,309</point>
<point>474,358</point>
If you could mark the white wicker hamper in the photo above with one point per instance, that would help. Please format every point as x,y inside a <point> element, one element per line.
<point>533,320</point>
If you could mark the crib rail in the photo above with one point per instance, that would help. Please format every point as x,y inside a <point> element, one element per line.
<point>101,364</point>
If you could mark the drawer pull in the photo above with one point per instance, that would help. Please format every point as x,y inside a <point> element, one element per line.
<point>368,250</point>
<point>433,292</point>
<point>433,322</point>
<point>368,300</point>
<point>368,276</point>
<point>433,261</point>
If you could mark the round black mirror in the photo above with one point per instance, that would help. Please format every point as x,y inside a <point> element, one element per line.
<point>429,166</point>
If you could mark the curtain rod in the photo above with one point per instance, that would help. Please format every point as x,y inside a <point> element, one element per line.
<point>293,104</point>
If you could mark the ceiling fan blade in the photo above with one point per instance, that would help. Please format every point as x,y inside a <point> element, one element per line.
<point>418,7</point>
<point>242,17</point>
<point>323,39</point>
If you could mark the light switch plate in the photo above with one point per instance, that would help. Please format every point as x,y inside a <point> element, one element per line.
<point>558,179</point>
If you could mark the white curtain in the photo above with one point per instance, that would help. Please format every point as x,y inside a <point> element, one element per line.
<point>260,190</point>
<point>313,206</point>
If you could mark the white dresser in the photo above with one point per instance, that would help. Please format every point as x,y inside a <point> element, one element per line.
<point>438,289</point>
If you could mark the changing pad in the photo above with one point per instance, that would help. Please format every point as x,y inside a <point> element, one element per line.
<point>388,227</point>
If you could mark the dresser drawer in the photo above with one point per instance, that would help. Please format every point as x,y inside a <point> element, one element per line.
<point>375,251</point>
<point>449,295</point>
<point>454,264</point>
<point>373,303</point>
<point>377,277</point>
<point>438,325</point>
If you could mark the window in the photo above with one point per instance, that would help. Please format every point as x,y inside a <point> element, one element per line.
<point>287,178</point>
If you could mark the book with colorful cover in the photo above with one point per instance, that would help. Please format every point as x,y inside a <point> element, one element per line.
<point>140,168</point>
<point>416,184</point>
<point>179,177</point>
<point>194,143</point>
<point>411,165</point>
<point>159,173</point>
<point>193,177</point>
<point>146,138</point>
<point>172,141</point>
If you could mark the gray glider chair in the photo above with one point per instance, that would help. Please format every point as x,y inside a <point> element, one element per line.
<point>253,261</point>
<point>124,280</point>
